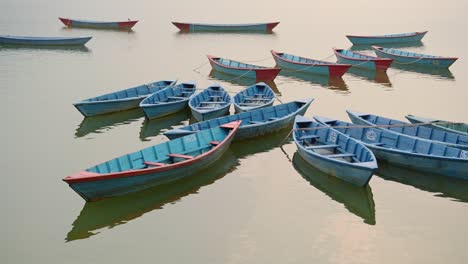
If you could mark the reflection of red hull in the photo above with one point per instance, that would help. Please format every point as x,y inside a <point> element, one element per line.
<point>98,24</point>
<point>260,74</point>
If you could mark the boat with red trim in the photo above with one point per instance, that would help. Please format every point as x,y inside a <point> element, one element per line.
<point>389,38</point>
<point>241,69</point>
<point>252,27</point>
<point>361,60</point>
<point>127,25</point>
<point>408,57</point>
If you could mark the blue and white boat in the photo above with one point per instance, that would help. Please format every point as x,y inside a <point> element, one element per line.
<point>43,41</point>
<point>442,137</point>
<point>406,151</point>
<point>361,60</point>
<point>254,97</point>
<point>168,100</point>
<point>453,127</point>
<point>212,102</point>
<point>254,123</point>
<point>121,100</point>
<point>385,39</point>
<point>333,152</point>
<point>407,57</point>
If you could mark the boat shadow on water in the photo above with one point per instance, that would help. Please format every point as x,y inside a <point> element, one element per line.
<point>129,31</point>
<point>101,123</point>
<point>379,77</point>
<point>389,45</point>
<point>333,83</point>
<point>357,200</point>
<point>53,48</point>
<point>154,127</point>
<point>438,73</point>
<point>441,186</point>
<point>240,81</point>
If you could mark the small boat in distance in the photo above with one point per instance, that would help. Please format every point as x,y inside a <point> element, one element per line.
<point>254,97</point>
<point>360,60</point>
<point>254,27</point>
<point>385,39</point>
<point>212,102</point>
<point>43,41</point>
<point>127,25</point>
<point>407,57</point>
<point>459,128</point>
<point>305,65</point>
<point>332,152</point>
<point>243,69</point>
<point>121,100</point>
<point>155,165</point>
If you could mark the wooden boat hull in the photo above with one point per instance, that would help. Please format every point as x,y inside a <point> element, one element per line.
<point>365,62</point>
<point>461,129</point>
<point>396,38</point>
<point>193,27</point>
<point>263,73</point>
<point>415,59</point>
<point>95,186</point>
<point>44,41</point>
<point>254,97</point>
<point>320,67</point>
<point>211,103</point>
<point>127,25</point>
<point>254,123</point>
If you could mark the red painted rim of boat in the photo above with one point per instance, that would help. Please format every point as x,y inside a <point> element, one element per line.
<point>213,59</point>
<point>127,24</point>
<point>389,37</point>
<point>272,25</point>
<point>372,58</point>
<point>182,26</point>
<point>86,176</point>
<point>378,48</point>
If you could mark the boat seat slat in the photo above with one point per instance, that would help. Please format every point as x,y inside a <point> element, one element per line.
<point>308,137</point>
<point>157,164</point>
<point>205,107</point>
<point>255,122</point>
<point>322,146</point>
<point>342,155</point>
<point>182,156</point>
<point>176,97</point>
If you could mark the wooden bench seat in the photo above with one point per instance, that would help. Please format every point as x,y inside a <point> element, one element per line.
<point>342,155</point>
<point>182,156</point>
<point>157,164</point>
<point>322,146</point>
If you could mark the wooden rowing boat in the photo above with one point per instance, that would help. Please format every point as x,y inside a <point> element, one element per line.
<point>254,97</point>
<point>127,25</point>
<point>361,60</point>
<point>212,102</point>
<point>459,128</point>
<point>43,41</point>
<point>243,69</point>
<point>407,57</point>
<point>253,27</point>
<point>385,39</point>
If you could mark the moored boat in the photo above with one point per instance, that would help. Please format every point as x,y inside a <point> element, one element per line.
<point>198,27</point>
<point>305,65</point>
<point>121,100</point>
<point>254,123</point>
<point>333,152</point>
<point>168,100</point>
<point>43,41</point>
<point>155,165</point>
<point>442,137</point>
<point>254,97</point>
<point>243,69</point>
<point>407,57</point>
<point>212,102</point>
<point>406,151</point>
<point>385,39</point>
<point>357,59</point>
<point>127,25</point>
<point>453,127</point>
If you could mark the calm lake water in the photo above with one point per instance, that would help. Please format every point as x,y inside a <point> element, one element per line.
<point>260,203</point>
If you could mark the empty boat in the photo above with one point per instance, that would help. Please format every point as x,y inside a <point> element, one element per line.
<point>212,102</point>
<point>360,60</point>
<point>407,57</point>
<point>243,69</point>
<point>254,97</point>
<point>385,39</point>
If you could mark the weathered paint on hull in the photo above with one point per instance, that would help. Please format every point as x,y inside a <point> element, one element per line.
<point>12,40</point>
<point>164,109</point>
<point>384,40</point>
<point>102,107</point>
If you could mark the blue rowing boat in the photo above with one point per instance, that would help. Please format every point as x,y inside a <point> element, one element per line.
<point>406,151</point>
<point>254,123</point>
<point>241,69</point>
<point>452,127</point>
<point>442,137</point>
<point>197,27</point>
<point>212,102</point>
<point>169,100</point>
<point>127,25</point>
<point>357,59</point>
<point>306,65</point>
<point>407,57</point>
<point>121,100</point>
<point>155,165</point>
<point>385,39</point>
<point>254,97</point>
<point>333,152</point>
<point>43,41</point>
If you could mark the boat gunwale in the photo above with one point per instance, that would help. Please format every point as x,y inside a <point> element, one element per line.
<point>324,63</point>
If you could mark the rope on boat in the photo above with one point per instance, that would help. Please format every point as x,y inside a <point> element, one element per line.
<point>410,61</point>
<point>382,126</point>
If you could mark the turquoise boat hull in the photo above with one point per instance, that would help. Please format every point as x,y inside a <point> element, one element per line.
<point>459,128</point>
<point>127,25</point>
<point>212,102</point>
<point>360,60</point>
<point>406,57</point>
<point>43,41</point>
<point>386,39</point>
<point>254,97</point>
<point>196,27</point>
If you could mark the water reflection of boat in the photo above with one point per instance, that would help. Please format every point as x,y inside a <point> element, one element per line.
<point>333,83</point>
<point>357,200</point>
<point>440,186</point>
<point>99,124</point>
<point>243,81</point>
<point>391,45</point>
<point>439,73</point>
<point>116,211</point>
<point>153,127</point>
<point>63,49</point>
<point>380,77</point>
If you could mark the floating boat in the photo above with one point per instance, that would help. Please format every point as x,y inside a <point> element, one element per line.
<point>254,97</point>
<point>212,102</point>
<point>384,39</point>
<point>459,128</point>
<point>127,25</point>
<point>333,152</point>
<point>168,100</point>
<point>406,151</point>
<point>357,59</point>
<point>453,140</point>
<point>300,64</point>
<point>243,69</point>
<point>196,27</point>
<point>155,165</point>
<point>121,100</point>
<point>254,123</point>
<point>406,57</point>
<point>46,41</point>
